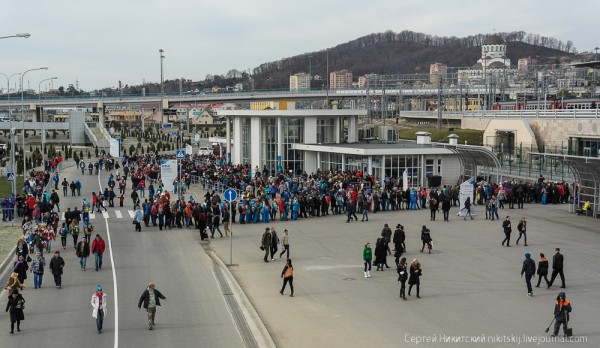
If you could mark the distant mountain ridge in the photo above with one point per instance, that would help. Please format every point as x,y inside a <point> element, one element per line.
<point>407,52</point>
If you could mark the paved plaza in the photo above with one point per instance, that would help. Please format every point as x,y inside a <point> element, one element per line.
<point>471,285</point>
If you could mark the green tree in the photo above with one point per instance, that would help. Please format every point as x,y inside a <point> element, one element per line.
<point>96,150</point>
<point>89,155</point>
<point>80,153</point>
<point>131,149</point>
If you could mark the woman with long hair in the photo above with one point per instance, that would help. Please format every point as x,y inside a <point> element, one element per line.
<point>288,276</point>
<point>402,277</point>
<point>415,274</point>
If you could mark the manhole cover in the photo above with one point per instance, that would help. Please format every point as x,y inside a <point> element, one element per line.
<point>349,279</point>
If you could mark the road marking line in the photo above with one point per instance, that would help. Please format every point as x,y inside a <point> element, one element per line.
<point>114,274</point>
<point>105,214</point>
<point>92,216</point>
<point>62,215</point>
<point>118,213</point>
<point>131,213</point>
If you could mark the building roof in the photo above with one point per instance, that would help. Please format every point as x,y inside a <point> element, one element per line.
<point>295,113</point>
<point>494,40</point>
<point>404,147</point>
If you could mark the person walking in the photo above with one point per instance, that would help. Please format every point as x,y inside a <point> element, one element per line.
<point>56,268</point>
<point>426,238</point>
<point>265,243</point>
<point>99,307</point>
<point>402,277</point>
<point>74,231</point>
<point>151,299</point>
<point>398,241</point>
<point>386,233</point>
<point>285,241</point>
<point>83,252</point>
<point>529,270</point>
<point>557,268</point>
<point>467,208</point>
<point>522,228</point>
<point>562,308</point>
<point>20,267</point>
<point>415,276</point>
<point>274,242</point>
<point>15,306</point>
<point>506,225</point>
<point>288,276</point>
<point>137,218</point>
<point>37,268</point>
<point>367,259</point>
<point>63,232</point>
<point>542,269</point>
<point>98,247</point>
<point>446,209</point>
<point>380,254</point>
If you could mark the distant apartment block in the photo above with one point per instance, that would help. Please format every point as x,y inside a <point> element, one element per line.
<point>524,63</point>
<point>341,79</point>
<point>437,70</point>
<point>300,81</point>
<point>362,81</point>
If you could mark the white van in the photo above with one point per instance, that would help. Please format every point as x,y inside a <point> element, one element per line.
<point>204,151</point>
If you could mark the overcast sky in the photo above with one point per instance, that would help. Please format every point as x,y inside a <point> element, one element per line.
<point>98,43</point>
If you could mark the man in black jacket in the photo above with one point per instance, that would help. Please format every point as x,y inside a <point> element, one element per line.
<point>529,271</point>
<point>506,225</point>
<point>56,267</point>
<point>151,299</point>
<point>557,268</point>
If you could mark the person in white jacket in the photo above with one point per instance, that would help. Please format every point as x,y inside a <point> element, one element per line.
<point>99,305</point>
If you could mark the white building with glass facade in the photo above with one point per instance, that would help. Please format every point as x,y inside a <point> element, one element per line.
<point>308,140</point>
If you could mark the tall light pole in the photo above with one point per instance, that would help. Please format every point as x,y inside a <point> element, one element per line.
<point>40,86</point>
<point>23,35</point>
<point>42,131</point>
<point>23,118</point>
<point>13,167</point>
<point>162,86</point>
<point>162,81</point>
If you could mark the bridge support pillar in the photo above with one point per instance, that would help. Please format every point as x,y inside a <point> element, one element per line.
<point>101,114</point>
<point>77,127</point>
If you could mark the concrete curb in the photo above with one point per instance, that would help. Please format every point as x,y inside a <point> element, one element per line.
<point>4,268</point>
<point>259,330</point>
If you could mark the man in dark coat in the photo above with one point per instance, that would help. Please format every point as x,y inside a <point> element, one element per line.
<point>506,225</point>
<point>529,270</point>
<point>151,299</point>
<point>386,233</point>
<point>56,268</point>
<point>557,268</point>
<point>265,243</point>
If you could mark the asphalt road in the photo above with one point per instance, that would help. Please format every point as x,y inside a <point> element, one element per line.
<point>195,313</point>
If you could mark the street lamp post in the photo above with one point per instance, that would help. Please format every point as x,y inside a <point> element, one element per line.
<point>23,118</point>
<point>23,35</point>
<point>40,86</point>
<point>13,167</point>
<point>42,131</point>
<point>162,85</point>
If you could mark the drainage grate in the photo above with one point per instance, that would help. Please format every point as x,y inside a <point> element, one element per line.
<point>236,311</point>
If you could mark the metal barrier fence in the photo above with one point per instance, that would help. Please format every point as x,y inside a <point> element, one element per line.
<point>210,185</point>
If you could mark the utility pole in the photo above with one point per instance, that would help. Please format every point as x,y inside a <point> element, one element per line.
<point>440,106</point>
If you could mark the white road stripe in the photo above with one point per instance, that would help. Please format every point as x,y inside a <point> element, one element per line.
<point>105,214</point>
<point>92,216</point>
<point>131,213</point>
<point>114,274</point>
<point>118,213</point>
<point>62,215</point>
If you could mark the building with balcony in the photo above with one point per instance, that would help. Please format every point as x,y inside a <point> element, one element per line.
<point>340,79</point>
<point>299,82</point>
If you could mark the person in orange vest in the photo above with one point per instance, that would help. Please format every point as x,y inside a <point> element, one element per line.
<point>562,308</point>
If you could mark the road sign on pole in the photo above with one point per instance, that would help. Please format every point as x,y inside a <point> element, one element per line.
<point>180,154</point>
<point>10,176</point>
<point>230,195</point>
